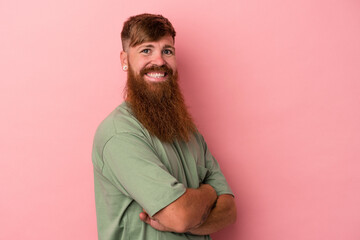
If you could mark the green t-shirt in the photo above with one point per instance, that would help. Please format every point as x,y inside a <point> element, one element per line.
<point>135,170</point>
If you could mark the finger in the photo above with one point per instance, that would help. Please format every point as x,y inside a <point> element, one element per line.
<point>145,217</point>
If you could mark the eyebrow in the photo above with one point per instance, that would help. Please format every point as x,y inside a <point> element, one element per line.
<point>152,46</point>
<point>147,46</point>
<point>169,46</point>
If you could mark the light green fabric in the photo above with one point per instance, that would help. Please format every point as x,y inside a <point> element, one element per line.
<point>134,170</point>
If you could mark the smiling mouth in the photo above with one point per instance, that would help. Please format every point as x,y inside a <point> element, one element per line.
<point>156,76</point>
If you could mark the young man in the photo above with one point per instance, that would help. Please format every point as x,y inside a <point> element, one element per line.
<point>154,175</point>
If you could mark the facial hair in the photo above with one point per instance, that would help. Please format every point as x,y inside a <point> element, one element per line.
<point>159,106</point>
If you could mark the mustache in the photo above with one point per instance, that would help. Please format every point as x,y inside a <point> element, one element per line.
<point>156,68</point>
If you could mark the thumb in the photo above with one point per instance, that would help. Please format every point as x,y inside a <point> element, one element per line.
<point>144,217</point>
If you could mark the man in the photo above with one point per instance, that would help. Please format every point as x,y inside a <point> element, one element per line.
<point>154,176</point>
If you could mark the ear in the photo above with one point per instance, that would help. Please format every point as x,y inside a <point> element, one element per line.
<point>124,60</point>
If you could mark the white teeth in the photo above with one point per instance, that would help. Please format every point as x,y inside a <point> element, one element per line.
<point>156,75</point>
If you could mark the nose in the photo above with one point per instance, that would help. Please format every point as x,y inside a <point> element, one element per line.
<point>158,59</point>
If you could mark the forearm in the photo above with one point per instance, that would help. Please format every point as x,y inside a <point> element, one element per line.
<point>189,211</point>
<point>221,216</point>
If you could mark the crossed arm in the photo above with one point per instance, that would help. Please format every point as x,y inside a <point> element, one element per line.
<point>194,212</point>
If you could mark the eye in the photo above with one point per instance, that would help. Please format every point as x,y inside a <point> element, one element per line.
<point>146,51</point>
<point>168,52</point>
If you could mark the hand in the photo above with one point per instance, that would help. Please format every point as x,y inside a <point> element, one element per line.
<point>152,222</point>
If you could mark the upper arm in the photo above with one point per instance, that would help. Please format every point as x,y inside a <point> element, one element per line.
<point>228,200</point>
<point>227,204</point>
<point>215,177</point>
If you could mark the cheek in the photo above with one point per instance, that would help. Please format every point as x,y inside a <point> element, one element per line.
<point>143,63</point>
<point>136,62</point>
<point>138,66</point>
<point>172,64</point>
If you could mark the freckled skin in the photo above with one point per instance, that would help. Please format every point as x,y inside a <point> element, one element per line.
<point>161,52</point>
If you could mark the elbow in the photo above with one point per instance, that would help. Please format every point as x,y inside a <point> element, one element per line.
<point>180,221</point>
<point>181,228</point>
<point>187,221</point>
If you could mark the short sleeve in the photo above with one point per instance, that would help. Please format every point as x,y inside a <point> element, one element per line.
<point>215,177</point>
<point>133,166</point>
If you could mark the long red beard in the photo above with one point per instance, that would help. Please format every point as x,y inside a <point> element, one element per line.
<point>159,106</point>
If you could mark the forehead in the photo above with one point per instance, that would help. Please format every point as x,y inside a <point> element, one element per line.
<point>166,41</point>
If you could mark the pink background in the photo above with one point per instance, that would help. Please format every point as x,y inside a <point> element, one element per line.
<point>273,86</point>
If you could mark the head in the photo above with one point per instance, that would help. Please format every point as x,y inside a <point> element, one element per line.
<point>148,42</point>
<point>152,89</point>
<point>145,28</point>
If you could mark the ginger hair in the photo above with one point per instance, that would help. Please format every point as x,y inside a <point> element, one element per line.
<point>145,28</point>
